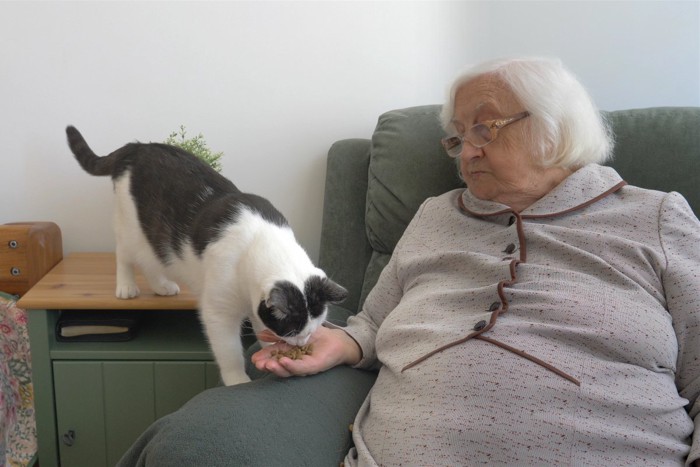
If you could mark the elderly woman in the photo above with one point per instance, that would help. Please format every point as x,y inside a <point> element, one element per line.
<point>549,314</point>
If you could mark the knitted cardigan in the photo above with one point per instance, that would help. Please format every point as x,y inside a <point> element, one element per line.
<point>568,334</point>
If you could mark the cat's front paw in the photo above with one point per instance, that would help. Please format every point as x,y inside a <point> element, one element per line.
<point>167,288</point>
<point>127,291</point>
<point>233,378</point>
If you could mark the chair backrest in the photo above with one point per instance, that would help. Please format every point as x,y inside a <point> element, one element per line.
<point>656,148</point>
<point>659,148</point>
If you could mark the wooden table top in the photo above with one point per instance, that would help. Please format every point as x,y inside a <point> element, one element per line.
<point>87,281</point>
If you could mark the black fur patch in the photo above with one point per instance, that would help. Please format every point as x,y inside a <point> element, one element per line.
<point>178,197</point>
<point>284,312</point>
<point>171,188</point>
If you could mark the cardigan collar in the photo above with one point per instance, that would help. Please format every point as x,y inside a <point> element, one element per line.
<point>580,189</point>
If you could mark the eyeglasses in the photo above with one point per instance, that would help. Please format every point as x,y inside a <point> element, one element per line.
<point>480,134</point>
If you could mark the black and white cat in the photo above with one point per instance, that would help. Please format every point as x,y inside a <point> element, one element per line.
<point>180,220</point>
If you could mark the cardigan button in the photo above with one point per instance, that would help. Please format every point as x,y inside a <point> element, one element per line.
<point>495,306</point>
<point>510,248</point>
<point>511,221</point>
<point>480,325</point>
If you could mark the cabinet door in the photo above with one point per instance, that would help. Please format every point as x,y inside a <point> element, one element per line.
<point>102,407</point>
<point>80,413</point>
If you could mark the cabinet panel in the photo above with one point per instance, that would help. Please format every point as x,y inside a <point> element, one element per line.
<point>128,401</point>
<point>79,410</point>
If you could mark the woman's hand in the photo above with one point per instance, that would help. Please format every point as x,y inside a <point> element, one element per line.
<point>331,347</point>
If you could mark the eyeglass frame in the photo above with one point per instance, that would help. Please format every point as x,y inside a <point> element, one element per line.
<point>493,126</point>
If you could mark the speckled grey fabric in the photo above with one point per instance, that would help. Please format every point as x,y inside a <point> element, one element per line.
<point>570,333</point>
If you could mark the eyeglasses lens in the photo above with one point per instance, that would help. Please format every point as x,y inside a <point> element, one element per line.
<point>453,145</point>
<point>478,136</point>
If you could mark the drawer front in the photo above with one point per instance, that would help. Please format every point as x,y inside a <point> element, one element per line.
<point>27,252</point>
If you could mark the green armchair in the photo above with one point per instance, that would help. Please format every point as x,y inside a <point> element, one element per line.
<point>373,188</point>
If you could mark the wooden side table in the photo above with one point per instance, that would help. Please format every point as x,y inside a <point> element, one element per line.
<point>93,399</point>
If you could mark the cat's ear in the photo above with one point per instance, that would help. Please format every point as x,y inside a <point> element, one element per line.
<point>277,298</point>
<point>323,290</point>
<point>278,302</point>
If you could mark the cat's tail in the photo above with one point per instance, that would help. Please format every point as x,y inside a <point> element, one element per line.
<point>88,160</point>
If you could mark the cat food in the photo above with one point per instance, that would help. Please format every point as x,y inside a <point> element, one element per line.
<point>295,353</point>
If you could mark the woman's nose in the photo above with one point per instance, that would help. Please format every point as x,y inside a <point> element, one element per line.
<point>470,151</point>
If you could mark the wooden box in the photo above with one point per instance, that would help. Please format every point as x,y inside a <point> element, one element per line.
<point>28,250</point>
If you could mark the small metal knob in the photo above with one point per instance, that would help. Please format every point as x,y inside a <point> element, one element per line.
<point>68,438</point>
<point>13,244</point>
<point>15,271</point>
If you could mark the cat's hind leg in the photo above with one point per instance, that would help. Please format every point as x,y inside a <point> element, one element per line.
<point>126,281</point>
<point>149,265</point>
<point>164,286</point>
<point>129,238</point>
<point>154,272</point>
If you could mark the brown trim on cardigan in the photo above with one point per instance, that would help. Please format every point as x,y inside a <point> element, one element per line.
<point>606,193</point>
<point>580,206</point>
<point>531,358</point>
<point>513,279</point>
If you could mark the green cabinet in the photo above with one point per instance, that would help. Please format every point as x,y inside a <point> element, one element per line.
<point>102,407</point>
<point>94,399</point>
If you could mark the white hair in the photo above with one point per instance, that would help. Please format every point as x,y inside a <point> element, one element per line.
<point>566,128</point>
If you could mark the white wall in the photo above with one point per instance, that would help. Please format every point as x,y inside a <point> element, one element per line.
<point>273,84</point>
<point>627,53</point>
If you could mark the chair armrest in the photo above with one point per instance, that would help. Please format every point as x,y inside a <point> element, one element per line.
<point>269,421</point>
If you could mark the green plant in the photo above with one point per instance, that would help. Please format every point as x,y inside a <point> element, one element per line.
<point>196,146</point>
